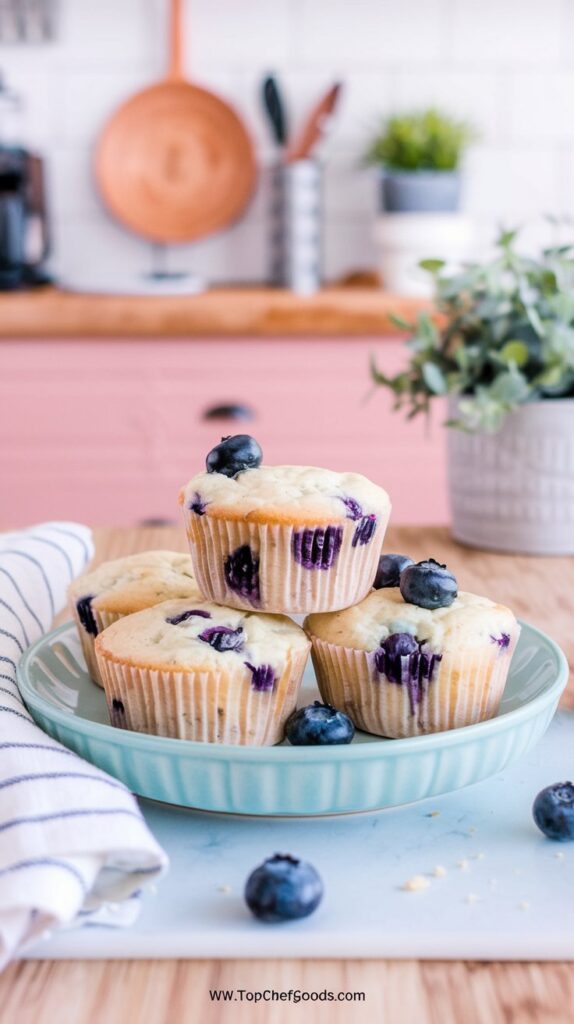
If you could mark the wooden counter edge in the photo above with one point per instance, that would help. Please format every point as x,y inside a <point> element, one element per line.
<point>228,312</point>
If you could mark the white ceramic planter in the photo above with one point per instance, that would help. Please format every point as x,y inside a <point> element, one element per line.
<point>514,490</point>
<point>403,239</point>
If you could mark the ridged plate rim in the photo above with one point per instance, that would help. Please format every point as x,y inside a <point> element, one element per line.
<point>375,748</point>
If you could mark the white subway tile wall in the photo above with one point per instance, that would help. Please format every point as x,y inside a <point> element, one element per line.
<point>508,65</point>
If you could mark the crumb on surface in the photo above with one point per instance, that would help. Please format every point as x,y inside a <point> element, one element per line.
<point>439,871</point>
<point>463,864</point>
<point>524,905</point>
<point>559,855</point>
<point>416,884</point>
<point>473,898</point>
<point>224,888</point>
<point>472,829</point>
<point>433,814</point>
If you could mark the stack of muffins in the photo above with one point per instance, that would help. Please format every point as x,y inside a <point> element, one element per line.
<point>202,648</point>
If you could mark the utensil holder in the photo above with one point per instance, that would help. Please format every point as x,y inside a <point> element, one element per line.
<point>296,226</point>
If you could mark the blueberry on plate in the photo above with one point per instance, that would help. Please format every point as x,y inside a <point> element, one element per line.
<point>553,811</point>
<point>234,455</point>
<point>389,570</point>
<point>428,584</point>
<point>318,724</point>
<point>283,888</point>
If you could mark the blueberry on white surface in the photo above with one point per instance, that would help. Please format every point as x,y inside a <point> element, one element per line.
<point>428,584</point>
<point>283,888</point>
<point>233,455</point>
<point>389,570</point>
<point>553,811</point>
<point>318,724</point>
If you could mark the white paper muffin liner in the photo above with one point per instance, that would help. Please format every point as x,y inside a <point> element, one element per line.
<point>285,586</point>
<point>210,706</point>
<point>466,687</point>
<point>102,620</point>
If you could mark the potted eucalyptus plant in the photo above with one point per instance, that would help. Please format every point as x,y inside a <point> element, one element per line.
<point>502,350</point>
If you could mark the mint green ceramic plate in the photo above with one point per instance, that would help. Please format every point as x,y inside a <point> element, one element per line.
<point>368,774</point>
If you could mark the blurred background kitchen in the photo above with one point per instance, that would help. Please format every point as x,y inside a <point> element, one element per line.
<point>110,393</point>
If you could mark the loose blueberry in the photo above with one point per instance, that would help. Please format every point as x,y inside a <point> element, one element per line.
<point>428,584</point>
<point>317,547</point>
<point>86,615</point>
<point>283,888</point>
<point>318,724</point>
<point>241,571</point>
<point>263,677</point>
<point>175,620</point>
<point>389,570</point>
<point>553,811</point>
<point>223,638</point>
<point>234,455</point>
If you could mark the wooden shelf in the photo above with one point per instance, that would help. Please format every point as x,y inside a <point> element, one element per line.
<point>229,312</point>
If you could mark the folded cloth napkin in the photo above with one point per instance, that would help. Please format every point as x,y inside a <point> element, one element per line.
<point>73,843</point>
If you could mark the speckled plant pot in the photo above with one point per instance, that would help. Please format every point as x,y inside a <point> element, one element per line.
<point>513,491</point>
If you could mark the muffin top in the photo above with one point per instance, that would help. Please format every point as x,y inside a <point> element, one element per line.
<point>303,495</point>
<point>129,584</point>
<point>470,621</point>
<point>201,636</point>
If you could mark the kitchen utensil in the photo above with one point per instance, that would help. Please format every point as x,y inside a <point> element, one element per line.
<point>296,226</point>
<point>315,126</point>
<point>505,893</point>
<point>275,109</point>
<point>174,162</point>
<point>369,774</point>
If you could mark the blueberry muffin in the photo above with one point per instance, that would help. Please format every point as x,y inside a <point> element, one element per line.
<point>292,539</point>
<point>415,658</point>
<point>199,671</point>
<point>123,586</point>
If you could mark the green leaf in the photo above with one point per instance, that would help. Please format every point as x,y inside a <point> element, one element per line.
<point>515,352</point>
<point>426,329</point>
<point>434,379</point>
<point>510,388</point>
<point>433,266</point>
<point>506,238</point>
<point>402,324</point>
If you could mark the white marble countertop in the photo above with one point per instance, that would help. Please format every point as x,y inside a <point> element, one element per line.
<point>507,892</point>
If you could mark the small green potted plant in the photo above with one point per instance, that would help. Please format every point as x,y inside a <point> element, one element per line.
<point>503,352</point>
<point>419,155</point>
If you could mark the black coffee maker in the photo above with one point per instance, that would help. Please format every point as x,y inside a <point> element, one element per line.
<point>24,239</point>
<point>23,223</point>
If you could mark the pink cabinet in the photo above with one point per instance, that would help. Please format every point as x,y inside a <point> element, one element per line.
<point>106,431</point>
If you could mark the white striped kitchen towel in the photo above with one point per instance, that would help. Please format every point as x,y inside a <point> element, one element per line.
<point>73,843</point>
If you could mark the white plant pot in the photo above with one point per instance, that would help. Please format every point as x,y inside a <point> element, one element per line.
<point>403,239</point>
<point>513,491</point>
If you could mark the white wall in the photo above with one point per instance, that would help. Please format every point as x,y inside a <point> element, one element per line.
<point>507,64</point>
